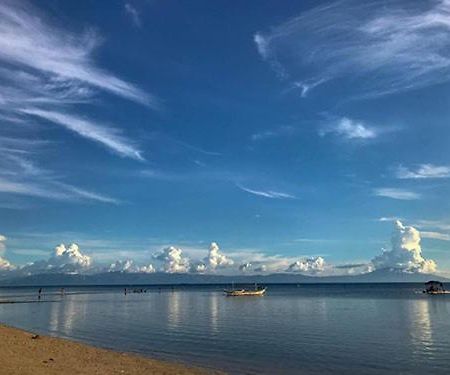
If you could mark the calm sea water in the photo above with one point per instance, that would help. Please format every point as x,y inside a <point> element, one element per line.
<point>304,329</point>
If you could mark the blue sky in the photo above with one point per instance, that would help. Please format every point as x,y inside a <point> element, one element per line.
<point>273,128</point>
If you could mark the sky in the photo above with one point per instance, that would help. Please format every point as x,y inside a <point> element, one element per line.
<point>294,133</point>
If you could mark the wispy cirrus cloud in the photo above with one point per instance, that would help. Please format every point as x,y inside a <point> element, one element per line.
<point>349,129</point>
<point>51,190</point>
<point>436,235</point>
<point>107,136</point>
<point>423,171</point>
<point>282,131</point>
<point>20,175</point>
<point>61,59</point>
<point>396,193</point>
<point>370,48</point>
<point>133,13</point>
<point>45,70</point>
<point>267,193</point>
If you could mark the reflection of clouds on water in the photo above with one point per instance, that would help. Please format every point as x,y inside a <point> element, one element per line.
<point>214,311</point>
<point>55,312</point>
<point>421,329</point>
<point>64,314</point>
<point>173,310</point>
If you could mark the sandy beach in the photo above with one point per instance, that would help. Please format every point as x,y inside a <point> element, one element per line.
<point>23,352</point>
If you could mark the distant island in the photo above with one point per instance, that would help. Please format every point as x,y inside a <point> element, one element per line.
<point>162,278</point>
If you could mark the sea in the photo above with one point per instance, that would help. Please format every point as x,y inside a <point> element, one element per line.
<point>293,329</point>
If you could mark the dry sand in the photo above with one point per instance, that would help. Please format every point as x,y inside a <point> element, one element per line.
<point>23,353</point>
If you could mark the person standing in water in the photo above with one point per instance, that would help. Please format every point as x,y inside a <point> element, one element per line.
<point>39,294</point>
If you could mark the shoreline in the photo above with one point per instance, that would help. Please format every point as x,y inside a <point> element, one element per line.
<point>23,352</point>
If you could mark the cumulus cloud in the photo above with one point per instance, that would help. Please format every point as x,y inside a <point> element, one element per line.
<point>129,266</point>
<point>126,265</point>
<point>198,267</point>
<point>245,267</point>
<point>173,260</point>
<point>147,269</point>
<point>353,268</point>
<point>261,268</point>
<point>66,259</point>
<point>2,243</point>
<point>5,265</point>
<point>405,253</point>
<point>308,265</point>
<point>423,171</point>
<point>369,48</point>
<point>216,259</point>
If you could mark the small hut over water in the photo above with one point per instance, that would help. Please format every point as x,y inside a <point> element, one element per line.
<point>434,287</point>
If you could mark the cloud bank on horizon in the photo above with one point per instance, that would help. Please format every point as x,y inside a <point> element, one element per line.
<point>405,255</point>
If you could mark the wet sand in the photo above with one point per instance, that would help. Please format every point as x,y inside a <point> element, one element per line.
<point>23,352</point>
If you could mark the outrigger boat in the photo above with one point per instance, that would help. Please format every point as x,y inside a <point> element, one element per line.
<point>435,287</point>
<point>245,292</point>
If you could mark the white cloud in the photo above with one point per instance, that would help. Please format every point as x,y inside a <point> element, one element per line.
<point>436,235</point>
<point>70,254</point>
<point>245,267</point>
<point>405,253</point>
<point>126,265</point>
<point>423,171</point>
<point>62,60</point>
<point>389,218</point>
<point>108,137</point>
<point>44,71</point>
<point>51,190</point>
<point>198,267</point>
<point>261,269</point>
<point>267,193</point>
<point>216,259</point>
<point>147,269</point>
<point>5,265</point>
<point>352,269</point>
<point>65,259</point>
<point>435,224</point>
<point>349,129</point>
<point>306,86</point>
<point>133,13</point>
<point>371,48</point>
<point>312,265</point>
<point>2,243</point>
<point>129,266</point>
<point>173,260</point>
<point>396,193</point>
<point>283,131</point>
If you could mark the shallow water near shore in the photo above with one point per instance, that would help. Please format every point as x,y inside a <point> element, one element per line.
<point>310,329</point>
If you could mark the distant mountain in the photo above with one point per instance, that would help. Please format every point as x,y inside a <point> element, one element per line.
<point>160,278</point>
